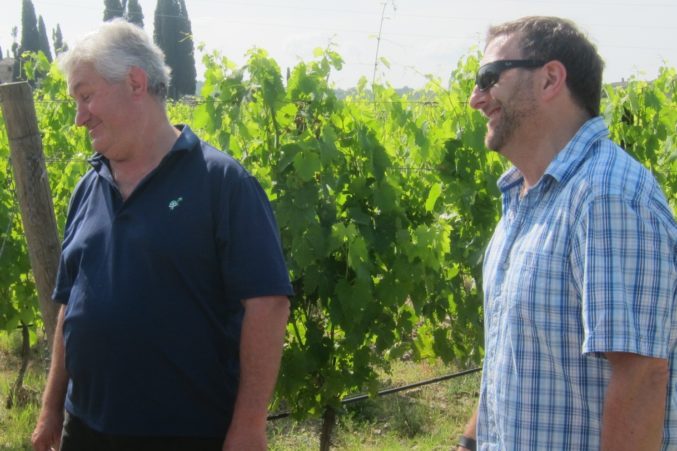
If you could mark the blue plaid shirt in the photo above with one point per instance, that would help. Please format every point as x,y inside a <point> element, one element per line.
<point>585,263</point>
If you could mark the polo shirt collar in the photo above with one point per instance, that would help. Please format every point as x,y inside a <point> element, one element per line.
<point>186,141</point>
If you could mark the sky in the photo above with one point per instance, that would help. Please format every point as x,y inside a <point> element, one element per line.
<point>417,37</point>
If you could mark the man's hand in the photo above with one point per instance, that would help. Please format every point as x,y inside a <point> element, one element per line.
<point>47,433</point>
<point>246,440</point>
<point>263,329</point>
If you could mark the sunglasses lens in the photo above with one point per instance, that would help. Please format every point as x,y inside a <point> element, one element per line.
<point>486,78</point>
<point>489,74</point>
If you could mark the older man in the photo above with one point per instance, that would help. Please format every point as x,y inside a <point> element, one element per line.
<point>172,279</point>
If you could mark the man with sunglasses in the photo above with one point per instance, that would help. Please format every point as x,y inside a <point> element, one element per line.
<point>580,277</point>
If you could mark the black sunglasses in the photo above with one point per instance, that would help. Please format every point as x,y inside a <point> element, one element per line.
<point>489,73</point>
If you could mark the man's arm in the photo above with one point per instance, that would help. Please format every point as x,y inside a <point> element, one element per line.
<point>634,404</point>
<point>263,330</point>
<point>47,433</point>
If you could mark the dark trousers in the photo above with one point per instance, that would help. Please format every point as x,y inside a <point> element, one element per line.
<point>77,436</point>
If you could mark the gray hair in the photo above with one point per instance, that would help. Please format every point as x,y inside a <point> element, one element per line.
<point>113,49</point>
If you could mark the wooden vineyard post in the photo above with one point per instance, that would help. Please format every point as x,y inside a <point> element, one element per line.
<point>34,195</point>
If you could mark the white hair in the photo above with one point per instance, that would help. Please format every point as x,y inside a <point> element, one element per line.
<point>113,49</point>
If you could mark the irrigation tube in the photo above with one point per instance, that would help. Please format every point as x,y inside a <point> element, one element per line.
<point>390,391</point>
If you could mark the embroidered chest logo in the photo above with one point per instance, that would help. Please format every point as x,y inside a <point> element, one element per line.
<point>175,203</point>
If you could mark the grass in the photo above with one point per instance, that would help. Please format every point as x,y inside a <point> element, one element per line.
<point>425,418</point>
<point>16,424</point>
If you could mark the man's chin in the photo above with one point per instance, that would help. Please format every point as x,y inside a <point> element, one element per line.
<point>98,147</point>
<point>491,144</point>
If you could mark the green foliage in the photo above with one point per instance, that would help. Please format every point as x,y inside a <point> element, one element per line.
<point>369,222</point>
<point>385,205</point>
<point>643,118</point>
<point>17,288</point>
<point>63,145</point>
<point>426,418</point>
<point>17,291</point>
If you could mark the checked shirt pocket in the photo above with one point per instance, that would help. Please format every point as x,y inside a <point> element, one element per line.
<point>541,292</point>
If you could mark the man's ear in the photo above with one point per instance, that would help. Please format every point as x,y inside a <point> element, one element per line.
<point>554,79</point>
<point>138,81</point>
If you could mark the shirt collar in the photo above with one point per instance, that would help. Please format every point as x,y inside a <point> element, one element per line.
<point>577,149</point>
<point>565,163</point>
<point>186,141</point>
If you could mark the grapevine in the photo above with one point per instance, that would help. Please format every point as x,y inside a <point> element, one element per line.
<point>385,204</point>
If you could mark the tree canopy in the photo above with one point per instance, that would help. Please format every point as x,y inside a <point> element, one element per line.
<point>44,40</point>
<point>134,13</point>
<point>57,40</point>
<point>173,34</point>
<point>30,37</point>
<point>112,9</point>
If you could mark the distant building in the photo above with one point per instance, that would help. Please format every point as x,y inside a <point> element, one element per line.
<point>6,67</point>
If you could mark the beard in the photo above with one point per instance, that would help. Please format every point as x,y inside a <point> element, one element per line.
<point>513,115</point>
<point>504,130</point>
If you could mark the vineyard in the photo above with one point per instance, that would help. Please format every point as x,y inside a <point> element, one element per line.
<point>385,204</point>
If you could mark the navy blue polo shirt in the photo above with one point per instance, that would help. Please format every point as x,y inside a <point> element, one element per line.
<point>153,289</point>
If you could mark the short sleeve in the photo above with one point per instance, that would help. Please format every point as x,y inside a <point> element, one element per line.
<point>252,262</point>
<point>65,275</point>
<point>628,278</point>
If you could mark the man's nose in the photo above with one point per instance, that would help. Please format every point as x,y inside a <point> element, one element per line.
<point>81,114</point>
<point>477,98</point>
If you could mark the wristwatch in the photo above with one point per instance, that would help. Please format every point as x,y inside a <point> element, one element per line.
<point>467,443</point>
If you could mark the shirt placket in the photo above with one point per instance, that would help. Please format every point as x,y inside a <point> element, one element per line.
<point>516,216</point>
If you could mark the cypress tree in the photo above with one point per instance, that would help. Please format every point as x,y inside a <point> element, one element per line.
<point>44,40</point>
<point>166,36</point>
<point>15,54</point>
<point>187,75</point>
<point>173,34</point>
<point>57,39</point>
<point>30,37</point>
<point>134,13</point>
<point>16,65</point>
<point>112,9</point>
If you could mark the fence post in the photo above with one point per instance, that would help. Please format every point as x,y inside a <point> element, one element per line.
<point>34,195</point>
